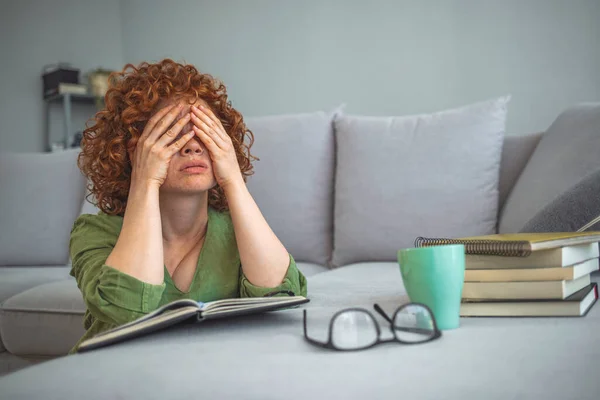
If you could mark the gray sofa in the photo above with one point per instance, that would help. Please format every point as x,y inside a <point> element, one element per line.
<point>306,185</point>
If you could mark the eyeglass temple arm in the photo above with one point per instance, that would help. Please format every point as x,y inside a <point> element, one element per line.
<point>311,340</point>
<point>304,315</point>
<point>382,313</point>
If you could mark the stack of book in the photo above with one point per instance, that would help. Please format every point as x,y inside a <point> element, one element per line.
<point>528,274</point>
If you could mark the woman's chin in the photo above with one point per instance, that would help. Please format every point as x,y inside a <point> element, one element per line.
<point>188,186</point>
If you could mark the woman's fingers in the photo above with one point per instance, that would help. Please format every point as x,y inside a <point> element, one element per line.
<point>163,124</point>
<point>154,120</point>
<point>208,140</point>
<point>211,115</point>
<point>211,121</point>
<point>179,143</point>
<point>172,133</point>
<point>209,131</point>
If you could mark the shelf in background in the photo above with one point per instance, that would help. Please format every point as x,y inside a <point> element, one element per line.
<point>64,99</point>
<point>74,96</point>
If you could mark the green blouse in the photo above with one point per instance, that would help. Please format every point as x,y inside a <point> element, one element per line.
<point>113,298</point>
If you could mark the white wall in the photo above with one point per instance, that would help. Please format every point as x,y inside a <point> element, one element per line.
<point>282,56</point>
<point>381,57</point>
<point>85,33</point>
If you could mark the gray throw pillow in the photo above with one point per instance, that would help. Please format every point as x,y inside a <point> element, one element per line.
<point>402,177</point>
<point>566,153</point>
<point>578,208</point>
<point>293,180</point>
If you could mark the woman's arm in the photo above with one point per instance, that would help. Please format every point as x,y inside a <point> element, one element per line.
<point>265,260</point>
<point>139,249</point>
<point>110,295</point>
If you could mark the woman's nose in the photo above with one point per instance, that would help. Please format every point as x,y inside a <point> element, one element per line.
<point>193,147</point>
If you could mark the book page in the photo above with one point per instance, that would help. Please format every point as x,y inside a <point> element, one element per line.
<point>174,305</point>
<point>167,318</point>
<point>250,303</point>
<point>246,301</point>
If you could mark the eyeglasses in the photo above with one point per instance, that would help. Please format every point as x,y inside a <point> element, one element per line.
<point>357,329</point>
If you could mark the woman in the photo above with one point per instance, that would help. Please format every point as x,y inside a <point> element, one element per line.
<point>167,163</point>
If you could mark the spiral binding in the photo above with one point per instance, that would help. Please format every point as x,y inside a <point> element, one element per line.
<point>514,248</point>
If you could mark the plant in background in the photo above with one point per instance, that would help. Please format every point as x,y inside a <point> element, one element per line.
<point>98,80</point>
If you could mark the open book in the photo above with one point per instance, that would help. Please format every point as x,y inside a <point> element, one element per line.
<point>186,310</point>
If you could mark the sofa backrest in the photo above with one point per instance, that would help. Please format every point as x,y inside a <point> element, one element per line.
<point>295,177</point>
<point>41,194</point>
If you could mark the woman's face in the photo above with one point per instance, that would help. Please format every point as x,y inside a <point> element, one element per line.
<point>190,169</point>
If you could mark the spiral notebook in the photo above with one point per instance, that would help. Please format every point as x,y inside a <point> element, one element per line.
<point>514,244</point>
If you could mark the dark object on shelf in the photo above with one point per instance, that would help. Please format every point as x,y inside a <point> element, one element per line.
<point>77,139</point>
<point>55,74</point>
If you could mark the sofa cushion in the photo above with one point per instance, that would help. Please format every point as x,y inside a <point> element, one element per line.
<point>46,320</point>
<point>578,208</point>
<point>516,151</point>
<point>266,356</point>
<point>423,175</point>
<point>310,269</point>
<point>14,280</point>
<point>41,194</point>
<point>566,153</point>
<point>10,363</point>
<point>293,180</point>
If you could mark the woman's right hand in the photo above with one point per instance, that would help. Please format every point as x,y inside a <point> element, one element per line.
<point>157,145</point>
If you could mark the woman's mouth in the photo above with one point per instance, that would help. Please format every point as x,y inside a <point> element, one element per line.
<point>195,169</point>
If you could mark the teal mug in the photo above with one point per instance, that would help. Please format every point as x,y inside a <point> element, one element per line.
<point>435,276</point>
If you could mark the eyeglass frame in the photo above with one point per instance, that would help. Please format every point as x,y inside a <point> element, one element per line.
<point>437,333</point>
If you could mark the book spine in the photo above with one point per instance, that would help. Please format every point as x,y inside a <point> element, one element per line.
<point>482,247</point>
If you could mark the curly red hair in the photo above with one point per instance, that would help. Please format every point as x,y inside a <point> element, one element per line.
<point>130,101</point>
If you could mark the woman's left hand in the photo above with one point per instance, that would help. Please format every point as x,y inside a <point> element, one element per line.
<point>222,153</point>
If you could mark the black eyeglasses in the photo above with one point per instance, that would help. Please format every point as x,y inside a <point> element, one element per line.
<point>357,329</point>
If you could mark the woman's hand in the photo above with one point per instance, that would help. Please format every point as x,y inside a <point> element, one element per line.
<point>222,153</point>
<point>155,148</point>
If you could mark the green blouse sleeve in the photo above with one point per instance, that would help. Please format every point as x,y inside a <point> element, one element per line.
<point>293,281</point>
<point>110,295</point>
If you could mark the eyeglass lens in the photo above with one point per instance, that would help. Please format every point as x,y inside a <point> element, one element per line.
<point>413,324</point>
<point>353,329</point>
